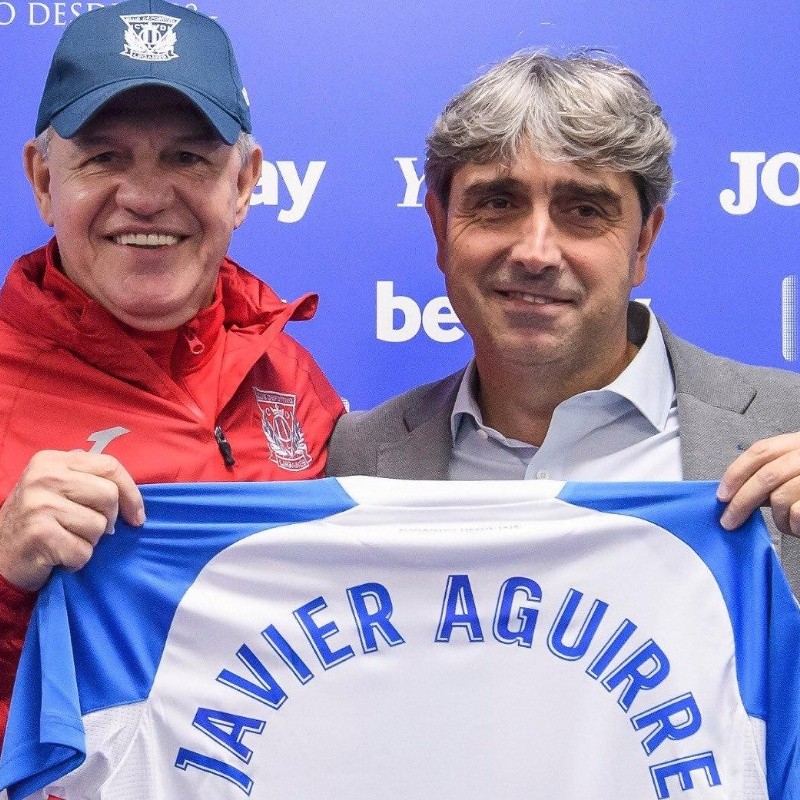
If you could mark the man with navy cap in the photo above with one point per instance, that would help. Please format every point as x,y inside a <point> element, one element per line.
<point>132,350</point>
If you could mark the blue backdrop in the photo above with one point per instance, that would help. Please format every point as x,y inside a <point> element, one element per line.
<point>343,96</point>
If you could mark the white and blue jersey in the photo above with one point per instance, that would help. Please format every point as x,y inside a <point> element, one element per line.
<point>369,638</point>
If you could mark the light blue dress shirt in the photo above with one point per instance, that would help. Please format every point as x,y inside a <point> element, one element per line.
<point>627,431</point>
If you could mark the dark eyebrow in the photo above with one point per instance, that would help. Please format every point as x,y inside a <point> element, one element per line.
<point>589,191</point>
<point>502,185</point>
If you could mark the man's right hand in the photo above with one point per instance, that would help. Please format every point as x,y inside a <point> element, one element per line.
<point>60,507</point>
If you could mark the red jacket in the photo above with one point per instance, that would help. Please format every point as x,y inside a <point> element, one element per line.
<point>228,397</point>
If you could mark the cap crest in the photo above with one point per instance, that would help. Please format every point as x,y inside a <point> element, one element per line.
<point>150,37</point>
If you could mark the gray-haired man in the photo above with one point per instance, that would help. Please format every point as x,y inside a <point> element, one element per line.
<point>547,179</point>
<point>132,349</point>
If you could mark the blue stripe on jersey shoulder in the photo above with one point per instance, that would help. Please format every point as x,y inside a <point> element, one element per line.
<point>103,644</point>
<point>163,560</point>
<point>758,599</point>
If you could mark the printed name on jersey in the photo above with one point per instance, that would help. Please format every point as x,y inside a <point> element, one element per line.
<point>624,664</point>
<point>287,444</point>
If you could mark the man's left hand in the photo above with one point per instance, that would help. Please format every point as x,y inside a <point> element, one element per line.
<point>767,473</point>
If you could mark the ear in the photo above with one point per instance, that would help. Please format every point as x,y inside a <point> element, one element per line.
<point>647,237</point>
<point>38,172</point>
<point>437,214</point>
<point>247,180</point>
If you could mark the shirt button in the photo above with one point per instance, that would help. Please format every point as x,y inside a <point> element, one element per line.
<point>483,434</point>
<point>542,474</point>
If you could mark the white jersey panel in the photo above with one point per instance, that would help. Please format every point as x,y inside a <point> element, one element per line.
<point>443,640</point>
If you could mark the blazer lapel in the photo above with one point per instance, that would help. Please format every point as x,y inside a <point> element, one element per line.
<point>711,410</point>
<point>424,453</point>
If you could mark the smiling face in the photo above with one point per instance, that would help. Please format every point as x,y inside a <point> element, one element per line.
<point>539,260</point>
<point>144,200</point>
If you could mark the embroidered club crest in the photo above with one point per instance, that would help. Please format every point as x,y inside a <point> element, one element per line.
<point>150,37</point>
<point>287,444</point>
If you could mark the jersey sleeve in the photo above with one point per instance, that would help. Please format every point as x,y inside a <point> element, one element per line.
<point>16,607</point>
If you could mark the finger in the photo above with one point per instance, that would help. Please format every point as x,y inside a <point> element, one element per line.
<point>61,549</point>
<point>757,456</point>
<point>46,534</point>
<point>130,503</point>
<point>758,489</point>
<point>794,520</point>
<point>44,514</point>
<point>67,550</point>
<point>84,490</point>
<point>785,505</point>
<point>101,482</point>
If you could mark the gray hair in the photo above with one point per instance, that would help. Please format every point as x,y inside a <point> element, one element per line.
<point>245,144</point>
<point>42,142</point>
<point>582,108</point>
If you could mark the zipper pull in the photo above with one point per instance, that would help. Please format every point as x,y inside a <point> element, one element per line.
<point>196,346</point>
<point>224,447</point>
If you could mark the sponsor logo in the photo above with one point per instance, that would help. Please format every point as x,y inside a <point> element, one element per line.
<point>285,175</point>
<point>399,318</point>
<point>101,439</point>
<point>286,442</point>
<point>150,37</point>
<point>744,198</point>
<point>413,183</point>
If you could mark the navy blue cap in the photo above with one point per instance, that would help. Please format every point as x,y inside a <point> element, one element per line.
<point>143,43</point>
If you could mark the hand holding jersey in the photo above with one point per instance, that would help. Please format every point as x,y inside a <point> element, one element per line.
<point>767,473</point>
<point>59,509</point>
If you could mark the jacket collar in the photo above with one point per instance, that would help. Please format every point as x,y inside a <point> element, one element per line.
<point>42,302</point>
<point>711,413</point>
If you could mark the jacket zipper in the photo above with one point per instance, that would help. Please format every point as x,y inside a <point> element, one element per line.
<point>224,447</point>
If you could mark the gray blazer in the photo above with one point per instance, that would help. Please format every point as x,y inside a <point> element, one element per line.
<point>723,407</point>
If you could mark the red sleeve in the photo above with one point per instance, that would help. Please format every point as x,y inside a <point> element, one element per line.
<point>16,607</point>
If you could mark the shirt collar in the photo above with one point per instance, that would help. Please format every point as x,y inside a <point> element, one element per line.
<point>466,403</point>
<point>647,383</point>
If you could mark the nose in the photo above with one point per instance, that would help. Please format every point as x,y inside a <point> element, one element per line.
<point>144,190</point>
<point>536,245</point>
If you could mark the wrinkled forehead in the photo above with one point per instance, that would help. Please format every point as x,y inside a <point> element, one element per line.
<point>146,106</point>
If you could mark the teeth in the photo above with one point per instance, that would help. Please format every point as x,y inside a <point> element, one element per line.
<point>535,299</point>
<point>146,239</point>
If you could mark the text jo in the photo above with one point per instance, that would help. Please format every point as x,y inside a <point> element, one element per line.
<point>743,200</point>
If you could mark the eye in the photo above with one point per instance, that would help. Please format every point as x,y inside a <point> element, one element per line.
<point>586,210</point>
<point>105,157</point>
<point>497,203</point>
<point>187,157</point>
